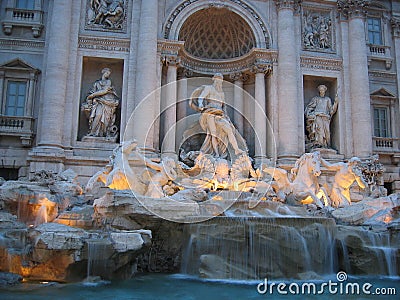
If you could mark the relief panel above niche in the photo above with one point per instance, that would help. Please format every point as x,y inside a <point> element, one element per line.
<point>318,30</point>
<point>106,15</point>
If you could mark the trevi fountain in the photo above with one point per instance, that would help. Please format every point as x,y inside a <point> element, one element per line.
<point>210,222</point>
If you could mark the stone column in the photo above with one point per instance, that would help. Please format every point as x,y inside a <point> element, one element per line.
<point>272,112</point>
<point>168,143</point>
<point>344,108</point>
<point>359,79</point>
<point>55,76</point>
<point>182,104</point>
<point>238,101</point>
<point>260,116</point>
<point>142,126</point>
<point>288,137</point>
<point>182,93</point>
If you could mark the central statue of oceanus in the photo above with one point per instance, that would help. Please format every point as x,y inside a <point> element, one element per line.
<point>222,138</point>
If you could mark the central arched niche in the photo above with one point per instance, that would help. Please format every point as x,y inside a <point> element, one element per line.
<point>216,33</point>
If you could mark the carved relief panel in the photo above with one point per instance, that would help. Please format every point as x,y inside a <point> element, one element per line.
<point>106,15</point>
<point>318,30</point>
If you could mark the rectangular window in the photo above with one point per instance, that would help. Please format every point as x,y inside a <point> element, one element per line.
<point>374,31</point>
<point>15,101</point>
<point>381,123</point>
<point>25,4</point>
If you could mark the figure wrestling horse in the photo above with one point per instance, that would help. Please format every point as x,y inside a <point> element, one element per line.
<point>304,188</point>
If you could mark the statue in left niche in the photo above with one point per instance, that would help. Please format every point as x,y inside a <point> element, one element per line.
<point>100,107</point>
<point>107,13</point>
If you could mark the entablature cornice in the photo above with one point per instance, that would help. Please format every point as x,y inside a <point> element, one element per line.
<point>321,63</point>
<point>256,57</point>
<point>106,44</point>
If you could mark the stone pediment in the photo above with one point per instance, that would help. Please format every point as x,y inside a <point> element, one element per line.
<point>382,92</point>
<point>18,64</point>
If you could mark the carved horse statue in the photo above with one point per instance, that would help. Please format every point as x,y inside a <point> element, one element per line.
<point>117,174</point>
<point>304,188</point>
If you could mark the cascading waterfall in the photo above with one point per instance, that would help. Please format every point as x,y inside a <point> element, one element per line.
<point>345,256</point>
<point>96,262</point>
<point>385,251</point>
<point>254,248</point>
<point>41,216</point>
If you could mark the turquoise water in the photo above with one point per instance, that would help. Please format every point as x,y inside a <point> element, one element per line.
<point>178,287</point>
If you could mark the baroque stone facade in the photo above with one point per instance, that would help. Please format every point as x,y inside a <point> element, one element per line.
<point>273,55</point>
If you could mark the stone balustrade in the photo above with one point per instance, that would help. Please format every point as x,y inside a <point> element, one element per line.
<point>16,17</point>
<point>18,126</point>
<point>386,144</point>
<point>380,52</point>
<point>23,15</point>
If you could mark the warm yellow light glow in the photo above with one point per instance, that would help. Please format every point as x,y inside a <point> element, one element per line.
<point>388,219</point>
<point>235,185</point>
<point>43,211</point>
<point>308,200</point>
<point>119,183</point>
<point>321,195</point>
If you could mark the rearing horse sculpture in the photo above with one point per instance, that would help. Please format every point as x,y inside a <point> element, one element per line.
<point>117,174</point>
<point>304,187</point>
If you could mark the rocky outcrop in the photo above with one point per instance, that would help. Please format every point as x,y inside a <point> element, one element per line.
<point>251,238</point>
<point>130,240</point>
<point>56,252</point>
<point>7,279</point>
<point>78,216</point>
<point>123,204</point>
<point>9,221</point>
<point>40,201</point>
<point>379,211</point>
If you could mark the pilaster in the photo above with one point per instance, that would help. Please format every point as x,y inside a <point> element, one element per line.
<point>142,124</point>
<point>56,76</point>
<point>168,144</point>
<point>355,11</point>
<point>288,57</point>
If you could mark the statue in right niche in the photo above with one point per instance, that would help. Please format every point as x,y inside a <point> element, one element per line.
<point>318,115</point>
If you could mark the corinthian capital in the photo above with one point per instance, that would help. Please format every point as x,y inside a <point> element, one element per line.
<point>352,8</point>
<point>291,4</point>
<point>239,76</point>
<point>264,68</point>
<point>171,60</point>
<point>395,22</point>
